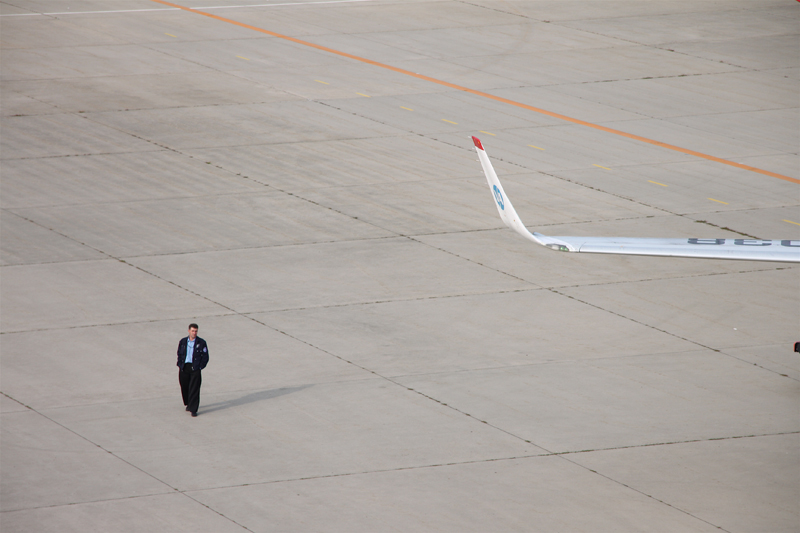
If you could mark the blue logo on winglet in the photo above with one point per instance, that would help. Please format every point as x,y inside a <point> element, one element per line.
<point>498,196</point>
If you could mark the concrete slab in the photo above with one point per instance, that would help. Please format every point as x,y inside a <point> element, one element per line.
<point>715,316</point>
<point>786,164</point>
<point>111,93</point>
<point>555,10</point>
<point>53,6</point>
<point>26,242</point>
<point>740,24</point>
<point>595,65</point>
<point>153,25</point>
<point>697,189</point>
<point>249,54</point>
<point>552,148</point>
<point>187,128</point>
<point>421,208</point>
<point>780,358</point>
<point>757,52</point>
<point>689,95</point>
<point>500,40</point>
<point>164,512</point>
<point>696,476</point>
<point>96,60</point>
<point>32,32</point>
<point>357,163</point>
<point>783,135</point>
<point>7,405</point>
<point>776,221</point>
<point>391,378</point>
<point>449,335</point>
<point>86,293</point>
<point>337,81</point>
<point>334,274</point>
<point>41,461</point>
<point>586,405</point>
<point>719,145</point>
<point>64,135</point>
<point>100,179</point>
<point>245,356</point>
<point>311,430</point>
<point>205,223</point>
<point>468,497</point>
<point>13,103</point>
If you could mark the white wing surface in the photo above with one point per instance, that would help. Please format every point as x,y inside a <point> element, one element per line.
<point>784,250</point>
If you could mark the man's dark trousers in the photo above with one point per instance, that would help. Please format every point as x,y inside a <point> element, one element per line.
<point>190,387</point>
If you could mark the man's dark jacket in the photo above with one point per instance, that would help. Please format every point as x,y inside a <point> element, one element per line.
<point>199,357</point>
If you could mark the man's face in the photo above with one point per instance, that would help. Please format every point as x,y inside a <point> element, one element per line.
<point>192,333</point>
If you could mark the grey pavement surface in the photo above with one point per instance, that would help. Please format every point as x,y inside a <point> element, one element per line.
<point>385,355</point>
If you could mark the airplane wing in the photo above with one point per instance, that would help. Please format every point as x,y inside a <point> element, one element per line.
<point>783,250</point>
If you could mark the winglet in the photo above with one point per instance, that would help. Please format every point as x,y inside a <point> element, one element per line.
<point>507,212</point>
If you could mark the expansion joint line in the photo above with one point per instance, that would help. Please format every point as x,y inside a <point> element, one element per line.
<point>483,94</point>
<point>99,446</point>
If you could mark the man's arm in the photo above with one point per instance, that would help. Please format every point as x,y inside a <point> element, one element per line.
<point>204,355</point>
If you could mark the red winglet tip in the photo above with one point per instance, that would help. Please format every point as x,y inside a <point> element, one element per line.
<point>478,141</point>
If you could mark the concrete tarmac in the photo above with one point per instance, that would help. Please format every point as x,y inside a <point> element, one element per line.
<point>384,354</point>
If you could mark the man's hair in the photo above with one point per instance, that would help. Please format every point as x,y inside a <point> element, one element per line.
<point>193,326</point>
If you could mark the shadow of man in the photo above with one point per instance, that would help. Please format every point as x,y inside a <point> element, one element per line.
<point>252,397</point>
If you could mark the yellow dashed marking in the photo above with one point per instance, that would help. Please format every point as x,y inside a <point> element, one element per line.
<point>657,183</point>
<point>449,121</point>
<point>171,35</point>
<point>718,201</point>
<point>487,133</point>
<point>240,57</point>
<point>320,81</point>
<point>532,146</point>
<point>601,166</point>
<point>406,108</point>
<point>366,95</point>
<point>790,222</point>
<point>475,92</point>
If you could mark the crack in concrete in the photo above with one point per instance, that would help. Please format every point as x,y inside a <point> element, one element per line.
<point>145,472</point>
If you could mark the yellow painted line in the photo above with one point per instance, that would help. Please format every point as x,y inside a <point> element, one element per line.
<point>449,121</point>
<point>320,81</point>
<point>481,93</point>
<point>362,94</point>
<point>240,57</point>
<point>171,35</point>
<point>487,133</point>
<point>657,183</point>
<point>532,146</point>
<point>718,201</point>
<point>790,222</point>
<point>601,166</point>
<point>406,108</point>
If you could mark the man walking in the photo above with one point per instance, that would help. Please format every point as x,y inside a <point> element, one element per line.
<point>192,359</point>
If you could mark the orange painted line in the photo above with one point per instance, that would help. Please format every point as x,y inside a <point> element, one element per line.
<point>485,95</point>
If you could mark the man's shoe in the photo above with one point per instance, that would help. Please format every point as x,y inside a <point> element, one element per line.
<point>187,408</point>
<point>194,413</point>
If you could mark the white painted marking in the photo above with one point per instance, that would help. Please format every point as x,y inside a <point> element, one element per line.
<point>176,9</point>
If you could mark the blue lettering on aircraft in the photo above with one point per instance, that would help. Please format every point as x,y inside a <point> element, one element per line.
<point>745,242</point>
<point>499,197</point>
